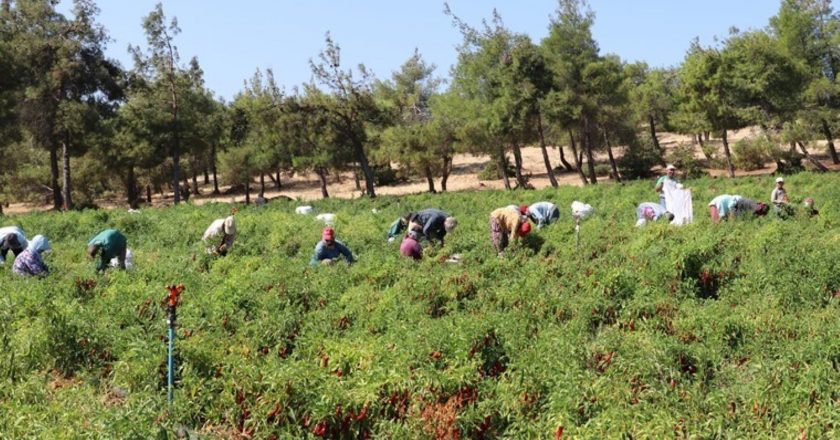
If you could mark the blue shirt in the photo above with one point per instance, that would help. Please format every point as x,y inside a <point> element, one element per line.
<point>324,252</point>
<point>725,204</point>
<point>543,213</point>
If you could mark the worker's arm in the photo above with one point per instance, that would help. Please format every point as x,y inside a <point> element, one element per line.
<point>344,251</point>
<point>316,255</point>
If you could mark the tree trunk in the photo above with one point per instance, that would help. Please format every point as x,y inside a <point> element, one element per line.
<point>213,169</point>
<point>613,165</point>
<point>356,179</point>
<point>131,189</point>
<point>699,138</point>
<point>830,139</point>
<point>66,188</point>
<point>176,172</point>
<point>57,199</point>
<point>517,159</point>
<point>447,169</point>
<point>262,184</point>
<point>547,162</point>
<point>729,167</point>
<point>149,194</point>
<point>820,167</point>
<point>502,164</point>
<point>578,162</point>
<point>652,124</point>
<point>707,135</point>
<point>195,190</point>
<point>322,176</point>
<point>590,161</point>
<point>277,182</point>
<point>366,170</point>
<point>206,176</point>
<point>430,179</point>
<point>563,160</point>
<point>248,191</point>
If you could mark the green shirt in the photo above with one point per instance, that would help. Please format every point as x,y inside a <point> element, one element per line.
<point>112,244</point>
<point>665,178</point>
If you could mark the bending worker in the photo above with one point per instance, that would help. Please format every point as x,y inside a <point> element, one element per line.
<point>649,211</point>
<point>434,224</point>
<point>398,226</point>
<point>30,262</point>
<point>11,239</point>
<point>109,244</point>
<point>328,250</point>
<point>505,222</point>
<point>220,235</point>
<point>410,246</point>
<point>543,213</point>
<point>728,206</point>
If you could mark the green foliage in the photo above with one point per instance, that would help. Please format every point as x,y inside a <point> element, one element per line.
<point>683,157</point>
<point>753,154</point>
<point>638,159</point>
<point>725,330</point>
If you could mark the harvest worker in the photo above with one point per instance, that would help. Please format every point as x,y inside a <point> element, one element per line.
<point>543,213</point>
<point>434,224</point>
<point>809,207</point>
<point>30,262</point>
<point>410,246</point>
<point>504,222</point>
<point>329,249</point>
<point>668,179</point>
<point>109,244</point>
<point>398,226</point>
<point>726,205</point>
<point>649,211</point>
<point>11,239</point>
<point>779,197</point>
<point>220,235</point>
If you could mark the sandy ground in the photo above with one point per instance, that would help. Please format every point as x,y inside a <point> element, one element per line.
<point>464,177</point>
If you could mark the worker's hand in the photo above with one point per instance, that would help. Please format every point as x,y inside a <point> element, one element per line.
<point>222,248</point>
<point>327,261</point>
<point>391,239</point>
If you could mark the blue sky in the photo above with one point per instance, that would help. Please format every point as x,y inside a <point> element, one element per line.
<point>233,38</point>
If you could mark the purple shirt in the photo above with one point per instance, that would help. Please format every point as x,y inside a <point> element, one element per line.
<point>411,248</point>
<point>29,263</point>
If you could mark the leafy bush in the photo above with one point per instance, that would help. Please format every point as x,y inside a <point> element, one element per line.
<point>491,171</point>
<point>682,156</point>
<point>638,159</point>
<point>709,331</point>
<point>602,170</point>
<point>752,153</point>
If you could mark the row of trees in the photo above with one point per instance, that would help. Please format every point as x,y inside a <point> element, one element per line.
<point>155,126</point>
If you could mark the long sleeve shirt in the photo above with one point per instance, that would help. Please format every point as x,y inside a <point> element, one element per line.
<point>29,263</point>
<point>396,228</point>
<point>725,204</point>
<point>7,235</point>
<point>223,226</point>
<point>658,210</point>
<point>778,196</point>
<point>508,218</point>
<point>543,213</point>
<point>432,223</point>
<point>112,245</point>
<point>324,252</point>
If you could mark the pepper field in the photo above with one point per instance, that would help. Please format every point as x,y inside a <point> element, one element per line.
<point>704,331</point>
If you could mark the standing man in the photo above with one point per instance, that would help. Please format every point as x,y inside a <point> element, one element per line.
<point>668,179</point>
<point>543,213</point>
<point>109,244</point>
<point>434,224</point>
<point>11,239</point>
<point>220,235</point>
<point>328,250</point>
<point>505,222</point>
<point>779,197</point>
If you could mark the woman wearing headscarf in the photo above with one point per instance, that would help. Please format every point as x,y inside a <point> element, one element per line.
<point>30,262</point>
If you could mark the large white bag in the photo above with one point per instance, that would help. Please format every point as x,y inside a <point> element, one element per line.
<point>129,260</point>
<point>305,210</point>
<point>581,210</point>
<point>678,202</point>
<point>327,218</point>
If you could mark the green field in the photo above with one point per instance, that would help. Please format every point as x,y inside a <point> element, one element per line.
<point>704,331</point>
